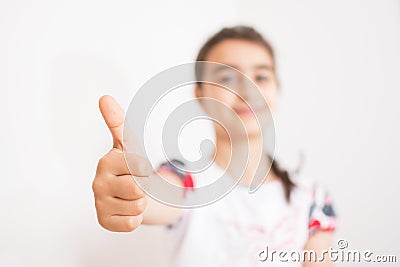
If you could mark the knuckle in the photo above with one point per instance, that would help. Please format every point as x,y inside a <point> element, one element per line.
<point>101,165</point>
<point>140,165</point>
<point>128,225</point>
<point>131,223</point>
<point>97,186</point>
<point>143,166</point>
<point>140,205</point>
<point>102,161</point>
<point>137,192</point>
<point>99,205</point>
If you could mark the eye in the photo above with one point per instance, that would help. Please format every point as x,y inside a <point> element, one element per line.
<point>226,79</point>
<point>262,78</point>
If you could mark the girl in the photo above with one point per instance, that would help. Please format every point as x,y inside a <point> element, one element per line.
<point>284,216</point>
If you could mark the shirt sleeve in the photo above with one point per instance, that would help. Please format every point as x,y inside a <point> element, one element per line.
<point>177,167</point>
<point>322,216</point>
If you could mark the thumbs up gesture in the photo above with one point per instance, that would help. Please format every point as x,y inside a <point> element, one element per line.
<point>119,201</point>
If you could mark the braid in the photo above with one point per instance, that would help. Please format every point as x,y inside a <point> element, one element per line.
<point>283,174</point>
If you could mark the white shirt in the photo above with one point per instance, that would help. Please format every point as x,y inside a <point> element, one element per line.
<point>234,230</point>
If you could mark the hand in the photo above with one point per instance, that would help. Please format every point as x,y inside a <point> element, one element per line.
<point>119,201</point>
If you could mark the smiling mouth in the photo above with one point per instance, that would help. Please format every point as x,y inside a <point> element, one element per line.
<point>246,111</point>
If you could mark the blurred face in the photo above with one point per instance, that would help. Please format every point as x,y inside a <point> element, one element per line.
<point>246,98</point>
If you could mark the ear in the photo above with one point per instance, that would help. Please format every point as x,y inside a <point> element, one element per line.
<point>197,92</point>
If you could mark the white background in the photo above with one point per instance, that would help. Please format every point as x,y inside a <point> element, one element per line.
<point>339,64</point>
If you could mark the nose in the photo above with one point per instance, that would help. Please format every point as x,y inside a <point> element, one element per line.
<point>247,90</point>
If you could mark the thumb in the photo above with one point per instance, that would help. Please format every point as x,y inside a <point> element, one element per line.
<point>114,117</point>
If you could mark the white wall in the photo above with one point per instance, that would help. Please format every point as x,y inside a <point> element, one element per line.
<point>340,66</point>
<point>338,62</point>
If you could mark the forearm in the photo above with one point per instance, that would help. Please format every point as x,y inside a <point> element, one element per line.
<point>157,213</point>
<point>319,243</point>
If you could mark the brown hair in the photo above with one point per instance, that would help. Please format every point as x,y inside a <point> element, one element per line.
<point>248,34</point>
<point>237,32</point>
